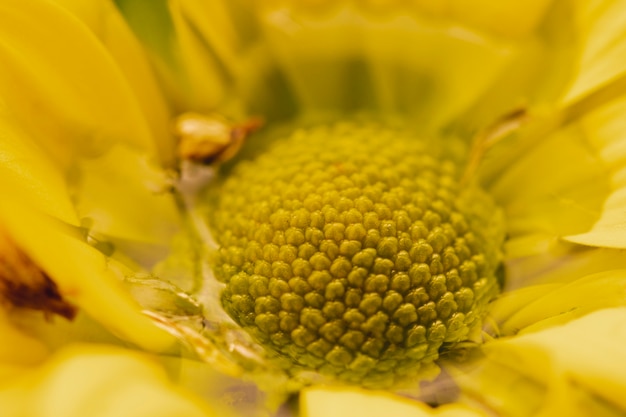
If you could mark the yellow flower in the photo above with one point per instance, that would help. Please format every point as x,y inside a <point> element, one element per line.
<point>103,223</point>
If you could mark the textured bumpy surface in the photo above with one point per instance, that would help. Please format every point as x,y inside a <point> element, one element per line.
<point>350,250</point>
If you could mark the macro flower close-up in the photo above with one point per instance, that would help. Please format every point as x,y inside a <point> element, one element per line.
<point>312,208</point>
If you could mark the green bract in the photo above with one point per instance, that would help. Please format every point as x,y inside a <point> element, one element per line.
<point>352,249</point>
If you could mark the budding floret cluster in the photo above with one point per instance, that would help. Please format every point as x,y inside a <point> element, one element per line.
<point>352,250</point>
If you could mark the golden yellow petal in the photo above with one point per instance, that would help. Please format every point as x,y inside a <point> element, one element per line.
<point>18,348</point>
<point>60,85</point>
<point>29,175</point>
<point>191,74</point>
<point>106,23</point>
<point>511,18</point>
<point>82,274</point>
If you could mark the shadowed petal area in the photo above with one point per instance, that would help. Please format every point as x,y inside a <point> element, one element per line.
<point>83,275</point>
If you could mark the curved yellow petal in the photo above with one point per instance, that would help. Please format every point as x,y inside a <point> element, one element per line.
<point>29,175</point>
<point>60,85</point>
<point>600,33</point>
<point>605,128</point>
<point>215,22</point>
<point>193,78</point>
<point>340,402</point>
<point>120,193</point>
<point>577,369</point>
<point>99,381</point>
<point>105,21</point>
<point>555,188</point>
<point>543,306</point>
<point>560,262</point>
<point>81,273</point>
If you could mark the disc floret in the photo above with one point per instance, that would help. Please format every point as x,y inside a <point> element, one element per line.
<point>352,250</point>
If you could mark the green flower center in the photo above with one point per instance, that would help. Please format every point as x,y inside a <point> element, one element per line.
<point>352,250</point>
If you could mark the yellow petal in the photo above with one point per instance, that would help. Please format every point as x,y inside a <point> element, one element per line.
<point>81,273</point>
<point>59,83</point>
<point>18,348</point>
<point>125,197</point>
<point>555,188</point>
<point>345,61</point>
<point>560,262</point>
<point>341,402</point>
<point>193,78</point>
<point>214,21</point>
<point>106,23</point>
<point>511,18</point>
<point>537,307</point>
<point>600,30</point>
<point>28,175</point>
<point>605,129</point>
<point>99,381</point>
<point>578,369</point>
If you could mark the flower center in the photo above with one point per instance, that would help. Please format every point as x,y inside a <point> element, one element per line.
<point>352,250</point>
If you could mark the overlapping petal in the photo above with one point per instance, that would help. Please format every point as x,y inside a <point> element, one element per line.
<point>192,76</point>
<point>83,274</point>
<point>573,370</point>
<point>98,381</point>
<point>105,22</point>
<point>599,35</point>
<point>58,82</point>
<point>75,143</point>
<point>605,129</point>
<point>84,138</point>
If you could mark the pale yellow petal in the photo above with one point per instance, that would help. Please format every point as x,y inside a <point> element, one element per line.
<point>605,128</point>
<point>559,262</point>
<point>600,30</point>
<point>341,402</point>
<point>555,188</point>
<point>540,307</point>
<point>99,381</point>
<point>576,370</point>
